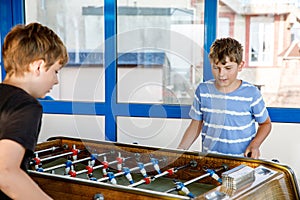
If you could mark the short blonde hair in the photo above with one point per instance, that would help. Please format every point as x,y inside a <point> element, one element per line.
<point>25,44</point>
<point>226,47</point>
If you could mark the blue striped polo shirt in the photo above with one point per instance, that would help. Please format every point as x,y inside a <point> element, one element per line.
<point>228,119</point>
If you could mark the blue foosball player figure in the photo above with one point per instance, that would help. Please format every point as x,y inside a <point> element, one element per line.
<point>180,187</point>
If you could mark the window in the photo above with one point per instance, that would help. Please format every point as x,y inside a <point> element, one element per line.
<point>80,25</point>
<point>223,27</point>
<point>261,41</point>
<point>271,47</point>
<point>160,56</point>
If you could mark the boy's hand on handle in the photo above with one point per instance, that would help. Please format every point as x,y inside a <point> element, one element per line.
<point>252,152</point>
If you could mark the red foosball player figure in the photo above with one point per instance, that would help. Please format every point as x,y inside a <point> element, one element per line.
<point>72,172</point>
<point>105,166</point>
<point>36,161</point>
<point>120,162</point>
<point>75,152</point>
<point>90,171</point>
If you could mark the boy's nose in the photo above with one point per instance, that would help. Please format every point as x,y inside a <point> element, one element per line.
<point>221,71</point>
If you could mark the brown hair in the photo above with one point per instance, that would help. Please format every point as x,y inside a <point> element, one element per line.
<point>25,44</point>
<point>226,47</point>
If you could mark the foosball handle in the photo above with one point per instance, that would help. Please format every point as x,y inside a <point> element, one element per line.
<point>98,197</point>
<point>65,146</point>
<point>249,154</point>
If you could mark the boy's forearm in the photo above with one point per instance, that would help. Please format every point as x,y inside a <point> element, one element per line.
<point>24,188</point>
<point>190,135</point>
<point>262,132</point>
<point>186,141</point>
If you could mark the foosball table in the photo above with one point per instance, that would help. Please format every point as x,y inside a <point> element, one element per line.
<point>68,168</point>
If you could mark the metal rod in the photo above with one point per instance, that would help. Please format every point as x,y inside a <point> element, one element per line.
<point>197,178</point>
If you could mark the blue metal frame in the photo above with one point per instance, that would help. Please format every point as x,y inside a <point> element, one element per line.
<point>210,33</point>
<point>18,6</point>
<point>12,13</point>
<point>110,57</point>
<point>285,115</point>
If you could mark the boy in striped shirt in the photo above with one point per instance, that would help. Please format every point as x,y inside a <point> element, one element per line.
<point>226,109</point>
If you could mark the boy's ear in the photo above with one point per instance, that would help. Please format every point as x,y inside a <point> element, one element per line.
<point>36,66</point>
<point>241,65</point>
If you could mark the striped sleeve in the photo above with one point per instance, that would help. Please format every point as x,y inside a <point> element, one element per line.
<point>258,108</point>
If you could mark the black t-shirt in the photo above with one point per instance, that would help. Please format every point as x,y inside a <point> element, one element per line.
<point>20,121</point>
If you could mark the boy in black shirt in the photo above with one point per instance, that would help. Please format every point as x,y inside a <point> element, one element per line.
<point>32,55</point>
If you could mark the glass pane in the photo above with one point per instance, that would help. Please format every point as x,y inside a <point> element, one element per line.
<point>74,126</point>
<point>160,56</point>
<point>80,25</point>
<point>154,131</point>
<point>271,48</point>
